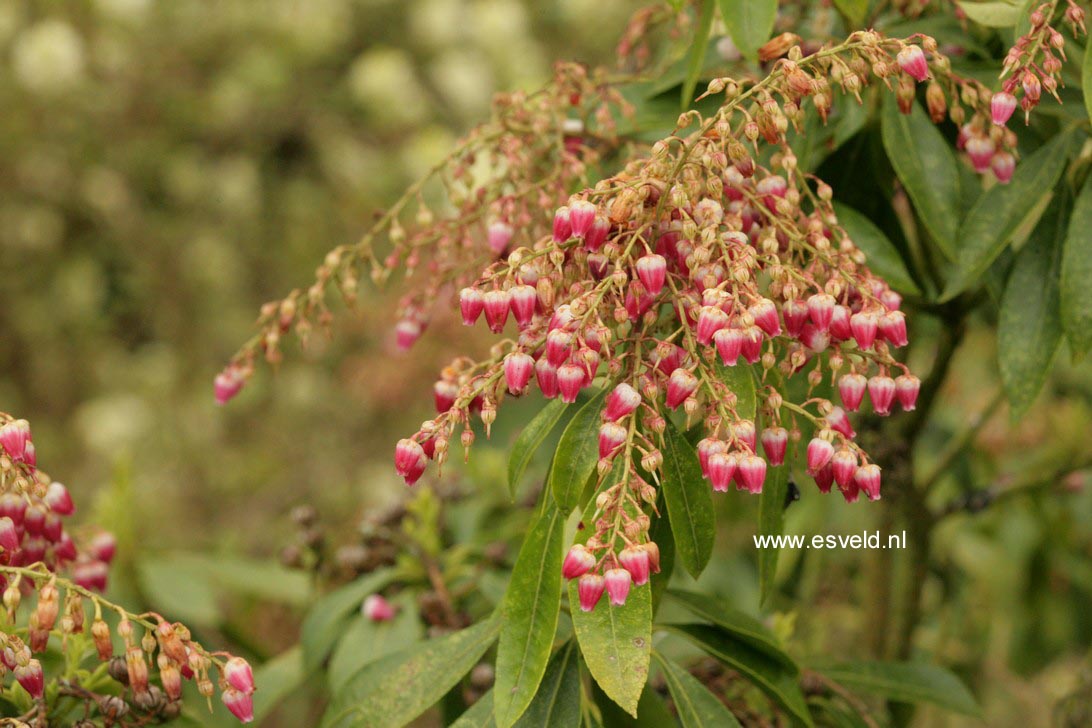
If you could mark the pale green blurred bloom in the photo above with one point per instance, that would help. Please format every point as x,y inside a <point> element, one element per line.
<point>49,56</point>
<point>465,80</point>
<point>438,22</point>
<point>383,81</point>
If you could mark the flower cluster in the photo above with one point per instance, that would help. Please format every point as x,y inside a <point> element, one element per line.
<point>1034,63</point>
<point>34,549</point>
<point>697,286</point>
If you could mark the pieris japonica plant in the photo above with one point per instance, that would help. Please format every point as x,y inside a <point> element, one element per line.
<point>702,311</point>
<point>68,655</point>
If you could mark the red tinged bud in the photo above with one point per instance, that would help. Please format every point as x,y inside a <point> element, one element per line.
<point>9,536</point>
<point>34,520</point>
<point>864,326</point>
<point>15,435</point>
<point>523,300</point>
<point>821,310</point>
<point>499,235</point>
<point>634,559</point>
<point>795,313</point>
<point>824,479</point>
<point>890,300</point>
<point>840,329</point>
<point>838,421</point>
<point>744,432</point>
<point>1003,165</point>
<point>570,379</point>
<point>893,328</point>
<point>771,189</point>
<point>563,229</point>
<point>517,371</point>
<point>103,547</point>
<point>881,390</point>
<point>911,59</point>
<point>706,448</point>
<point>751,473</point>
<point>729,343</point>
<point>653,556</point>
<point>559,344</point>
<point>444,394</point>
<point>13,506</point>
<point>227,384</point>
<point>752,344</point>
<point>652,272</point>
<point>59,500</point>
<point>851,492</point>
<point>775,442</point>
<point>578,561</point>
<point>1032,87</point>
<point>868,480</point>
<point>590,590</point>
<point>907,387</point>
<point>710,320</point>
<point>611,437</point>
<point>820,452</point>
<point>851,388</point>
<point>375,608</point>
<point>1001,107</point>
<point>496,305</point>
<point>843,465</point>
<point>680,385</point>
<point>239,703</point>
<point>581,218</point>
<point>668,362</point>
<point>410,460</point>
<point>621,402</point>
<point>721,469</point>
<point>471,304</point>
<point>406,333</point>
<point>100,632</point>
<point>65,548</point>
<point>980,150</point>
<point>596,235</point>
<point>546,376</point>
<point>764,312</point>
<point>31,677</point>
<point>170,677</point>
<point>238,674</point>
<point>815,338</point>
<point>617,582</point>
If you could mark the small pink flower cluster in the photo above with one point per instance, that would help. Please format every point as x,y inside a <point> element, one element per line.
<point>237,688</point>
<point>632,566</point>
<point>32,509</point>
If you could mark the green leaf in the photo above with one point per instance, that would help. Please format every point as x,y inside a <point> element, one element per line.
<point>689,502</point>
<point>882,257</point>
<point>1076,275</point>
<point>652,712</point>
<point>1004,210</point>
<point>749,22</point>
<point>992,14</point>
<point>366,641</point>
<point>577,455</point>
<point>660,534</point>
<point>696,57</point>
<point>259,578</point>
<point>181,587</point>
<point>695,705</point>
<point>557,703</point>
<point>740,625</point>
<point>741,380</point>
<point>531,438</point>
<point>771,521</point>
<point>854,11</point>
<point>907,682</point>
<point>478,715</point>
<point>531,606</point>
<point>924,162</point>
<point>1029,326</point>
<point>325,621</point>
<point>767,674</point>
<point>617,644</point>
<point>396,689</point>
<point>277,678</point>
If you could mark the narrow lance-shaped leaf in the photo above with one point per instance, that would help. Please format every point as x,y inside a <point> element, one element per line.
<point>771,522</point>
<point>696,56</point>
<point>531,438</point>
<point>1086,81</point>
<point>617,644</point>
<point>577,455</point>
<point>1003,210</point>
<point>689,502</point>
<point>881,255</point>
<point>325,621</point>
<point>854,11</point>
<point>741,626</point>
<point>398,688</point>
<point>1076,274</point>
<point>366,641</point>
<point>557,703</point>
<point>749,22</point>
<point>927,168</point>
<point>1029,327</point>
<point>992,13</point>
<point>531,607</point>
<point>478,715</point>
<point>695,705</point>
<point>767,674</point>
<point>906,682</point>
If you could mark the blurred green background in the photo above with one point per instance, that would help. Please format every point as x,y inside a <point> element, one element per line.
<point>166,167</point>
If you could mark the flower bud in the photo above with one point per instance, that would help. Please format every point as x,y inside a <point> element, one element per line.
<point>581,218</point>
<point>471,304</point>
<point>496,304</point>
<point>9,536</point>
<point>617,583</point>
<point>227,384</point>
<point>546,376</point>
<point>652,272</point>
<point>820,451</point>
<point>517,371</point>
<point>100,632</point>
<point>590,589</point>
<point>239,703</point>
<point>499,235</point>
<point>523,299</point>
<point>838,420</point>
<point>621,402</point>
<point>764,312</point>
<point>1002,105</point>
<point>578,561</point>
<point>775,442</point>
<point>867,479</point>
<point>238,674</point>
<point>1003,165</point>
<point>635,560</point>
<point>31,677</point>
<point>409,460</point>
<point>864,326</point>
<point>611,437</point>
<point>444,393</point>
<point>881,390</point>
<point>751,473</point>
<point>680,385</point>
<point>851,388</point>
<point>821,310</point>
<point>907,387</point>
<point>729,343</point>
<point>562,225</point>
<point>15,435</point>
<point>795,313</point>
<point>375,608</point>
<point>721,469</point>
<point>570,379</point>
<point>911,59</point>
<point>596,236</point>
<point>843,466</point>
